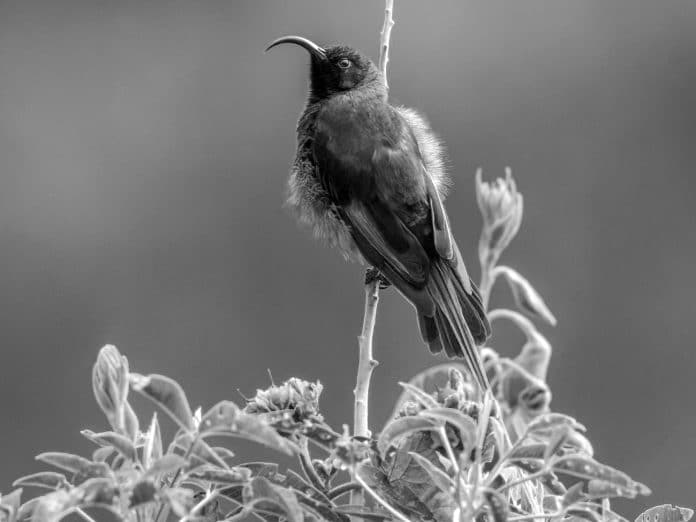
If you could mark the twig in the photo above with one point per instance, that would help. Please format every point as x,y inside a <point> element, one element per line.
<point>384,38</point>
<point>381,501</point>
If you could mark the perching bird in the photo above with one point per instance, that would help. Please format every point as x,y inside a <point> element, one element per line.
<point>369,178</point>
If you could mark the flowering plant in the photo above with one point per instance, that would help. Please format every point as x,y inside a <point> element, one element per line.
<point>447,453</point>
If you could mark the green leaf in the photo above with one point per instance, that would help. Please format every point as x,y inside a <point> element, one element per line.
<point>430,378</point>
<point>119,442</point>
<point>152,444</point>
<point>198,450</point>
<point>262,469</point>
<point>363,513</point>
<point>101,454</point>
<point>461,421</point>
<point>419,395</point>
<point>528,451</point>
<point>65,461</point>
<point>180,500</point>
<point>99,490</point>
<point>44,479</point>
<point>168,395</point>
<point>26,510</point>
<point>582,466</point>
<point>602,489</point>
<point>50,507</point>
<point>558,438</point>
<point>500,510</point>
<point>526,297</point>
<point>220,417</point>
<point>93,470</point>
<point>550,421</point>
<point>224,453</point>
<point>401,427</point>
<point>130,420</point>
<point>234,476</point>
<point>574,494</point>
<point>441,479</point>
<point>261,491</point>
<point>10,505</point>
<point>167,464</point>
<point>666,513</point>
<point>226,419</point>
<point>584,513</point>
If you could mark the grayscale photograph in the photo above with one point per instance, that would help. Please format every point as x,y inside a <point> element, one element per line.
<point>347,261</point>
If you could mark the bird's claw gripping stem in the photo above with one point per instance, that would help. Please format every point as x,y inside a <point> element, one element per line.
<point>372,275</point>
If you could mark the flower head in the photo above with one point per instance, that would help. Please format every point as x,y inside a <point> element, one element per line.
<point>501,207</point>
<point>294,394</point>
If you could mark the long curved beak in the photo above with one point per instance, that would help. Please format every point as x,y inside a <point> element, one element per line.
<point>311,47</point>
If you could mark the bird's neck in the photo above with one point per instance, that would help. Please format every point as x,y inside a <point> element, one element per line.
<point>373,91</point>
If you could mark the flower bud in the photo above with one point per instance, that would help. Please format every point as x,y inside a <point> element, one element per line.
<point>501,207</point>
<point>110,384</point>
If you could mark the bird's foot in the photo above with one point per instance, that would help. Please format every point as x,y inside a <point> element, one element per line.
<point>372,275</point>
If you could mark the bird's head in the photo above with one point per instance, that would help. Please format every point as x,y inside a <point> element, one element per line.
<point>337,69</point>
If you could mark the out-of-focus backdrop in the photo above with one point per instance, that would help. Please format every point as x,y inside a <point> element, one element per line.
<point>144,149</point>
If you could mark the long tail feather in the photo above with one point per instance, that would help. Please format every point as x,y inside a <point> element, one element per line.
<point>459,319</point>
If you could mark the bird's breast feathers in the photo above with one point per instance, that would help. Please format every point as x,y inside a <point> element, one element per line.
<point>356,137</point>
<point>367,149</point>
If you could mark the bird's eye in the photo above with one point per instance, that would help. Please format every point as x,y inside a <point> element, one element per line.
<point>344,63</point>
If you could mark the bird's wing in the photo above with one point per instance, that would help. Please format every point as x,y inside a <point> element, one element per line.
<point>382,195</point>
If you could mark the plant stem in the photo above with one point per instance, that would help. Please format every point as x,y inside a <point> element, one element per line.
<point>366,364</point>
<point>209,497</point>
<point>384,37</point>
<point>534,517</point>
<point>523,479</point>
<point>342,489</point>
<point>442,432</point>
<point>84,515</point>
<point>381,501</point>
<point>308,467</point>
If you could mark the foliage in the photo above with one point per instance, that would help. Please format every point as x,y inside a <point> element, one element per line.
<point>448,452</point>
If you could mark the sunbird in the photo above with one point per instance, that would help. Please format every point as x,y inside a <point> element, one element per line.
<point>369,178</point>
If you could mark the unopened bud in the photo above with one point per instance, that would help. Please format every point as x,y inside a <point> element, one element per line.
<point>501,206</point>
<point>110,384</point>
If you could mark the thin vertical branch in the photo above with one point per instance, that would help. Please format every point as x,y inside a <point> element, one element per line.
<point>384,38</point>
<point>366,362</point>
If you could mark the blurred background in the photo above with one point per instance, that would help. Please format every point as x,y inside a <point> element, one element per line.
<point>144,149</point>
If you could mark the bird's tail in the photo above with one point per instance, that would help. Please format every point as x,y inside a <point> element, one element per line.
<point>459,321</point>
